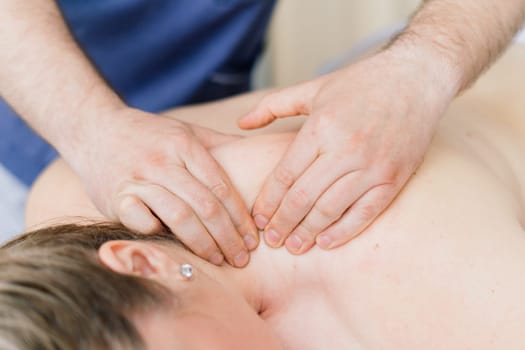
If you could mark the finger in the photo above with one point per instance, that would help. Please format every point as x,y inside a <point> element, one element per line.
<point>211,175</point>
<point>328,209</point>
<point>288,102</point>
<point>358,217</point>
<point>300,155</point>
<point>133,214</point>
<point>181,220</point>
<point>211,214</point>
<point>301,197</point>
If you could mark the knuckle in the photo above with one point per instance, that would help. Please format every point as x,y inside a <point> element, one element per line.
<point>182,137</point>
<point>179,215</point>
<point>306,231</point>
<point>325,212</point>
<point>327,118</point>
<point>136,174</point>
<point>210,208</point>
<point>180,132</point>
<point>366,212</point>
<point>229,243</point>
<point>299,199</point>
<point>389,173</point>
<point>129,209</point>
<point>232,247</point>
<point>152,228</point>
<point>205,250</point>
<point>199,243</point>
<point>154,160</point>
<point>387,192</point>
<point>353,141</point>
<point>284,176</point>
<point>303,106</point>
<point>127,203</point>
<point>221,190</point>
<point>264,207</point>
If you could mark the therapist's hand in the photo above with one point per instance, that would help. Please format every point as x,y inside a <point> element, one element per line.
<point>151,172</point>
<point>368,128</point>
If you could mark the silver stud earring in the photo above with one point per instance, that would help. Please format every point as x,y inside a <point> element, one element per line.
<point>186,270</point>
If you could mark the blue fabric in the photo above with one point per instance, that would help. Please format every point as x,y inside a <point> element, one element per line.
<point>156,54</point>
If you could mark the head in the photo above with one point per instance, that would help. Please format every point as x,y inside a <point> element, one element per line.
<point>105,287</point>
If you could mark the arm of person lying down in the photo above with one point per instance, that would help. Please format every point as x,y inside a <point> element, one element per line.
<point>370,124</point>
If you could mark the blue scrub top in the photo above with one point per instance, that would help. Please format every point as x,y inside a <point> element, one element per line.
<point>156,54</point>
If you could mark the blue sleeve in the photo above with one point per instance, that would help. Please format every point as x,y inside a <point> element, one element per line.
<point>156,54</point>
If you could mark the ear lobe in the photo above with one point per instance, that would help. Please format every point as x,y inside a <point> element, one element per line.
<point>134,258</point>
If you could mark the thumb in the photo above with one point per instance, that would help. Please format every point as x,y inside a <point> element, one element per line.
<point>289,102</point>
<point>211,138</point>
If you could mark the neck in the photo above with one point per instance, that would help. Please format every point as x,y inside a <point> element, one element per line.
<point>265,280</point>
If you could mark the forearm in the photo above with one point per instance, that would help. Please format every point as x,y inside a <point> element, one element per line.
<point>45,76</point>
<point>467,35</point>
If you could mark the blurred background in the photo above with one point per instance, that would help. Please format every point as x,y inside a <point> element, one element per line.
<point>306,35</point>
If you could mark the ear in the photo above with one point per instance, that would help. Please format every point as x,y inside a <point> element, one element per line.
<point>135,258</point>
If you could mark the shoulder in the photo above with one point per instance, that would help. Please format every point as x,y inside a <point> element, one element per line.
<point>57,197</point>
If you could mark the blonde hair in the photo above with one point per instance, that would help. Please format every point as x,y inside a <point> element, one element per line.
<point>56,294</point>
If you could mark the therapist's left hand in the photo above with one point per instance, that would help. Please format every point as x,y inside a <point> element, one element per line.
<point>368,128</point>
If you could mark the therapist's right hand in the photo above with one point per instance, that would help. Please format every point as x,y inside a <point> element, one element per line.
<point>151,172</point>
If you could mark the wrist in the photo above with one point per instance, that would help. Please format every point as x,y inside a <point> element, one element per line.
<point>435,68</point>
<point>85,125</point>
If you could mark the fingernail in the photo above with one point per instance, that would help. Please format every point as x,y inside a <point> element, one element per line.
<point>250,242</point>
<point>217,259</point>
<point>324,242</point>
<point>241,259</point>
<point>272,237</point>
<point>260,221</point>
<point>294,243</point>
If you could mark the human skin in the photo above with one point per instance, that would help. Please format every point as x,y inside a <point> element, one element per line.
<point>442,268</point>
<point>132,163</point>
<point>74,109</point>
<point>350,141</point>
